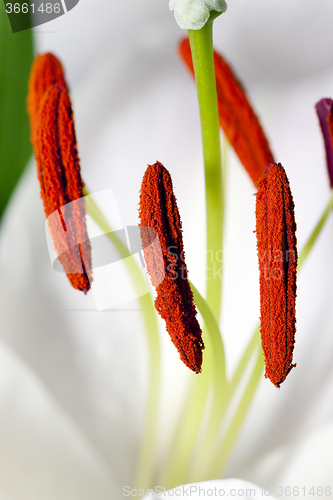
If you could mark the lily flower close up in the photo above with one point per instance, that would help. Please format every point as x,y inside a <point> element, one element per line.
<point>93,406</point>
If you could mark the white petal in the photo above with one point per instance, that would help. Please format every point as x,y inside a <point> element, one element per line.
<point>304,466</point>
<point>42,454</point>
<point>87,360</point>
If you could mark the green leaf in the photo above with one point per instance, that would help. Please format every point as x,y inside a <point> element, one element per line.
<point>16,55</point>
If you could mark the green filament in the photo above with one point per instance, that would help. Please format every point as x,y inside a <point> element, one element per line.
<point>201,42</point>
<point>315,233</point>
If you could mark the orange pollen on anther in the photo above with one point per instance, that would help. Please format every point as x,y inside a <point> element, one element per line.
<point>277,254</point>
<point>237,118</point>
<point>46,70</point>
<point>58,169</point>
<point>174,301</point>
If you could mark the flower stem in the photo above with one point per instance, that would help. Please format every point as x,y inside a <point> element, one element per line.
<point>201,42</point>
<point>145,469</point>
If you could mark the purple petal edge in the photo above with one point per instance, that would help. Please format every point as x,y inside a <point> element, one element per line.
<point>324,108</point>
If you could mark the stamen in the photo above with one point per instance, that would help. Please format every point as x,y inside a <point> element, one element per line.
<point>237,118</point>
<point>62,184</point>
<point>58,169</point>
<point>277,253</point>
<point>174,301</point>
<point>46,70</point>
